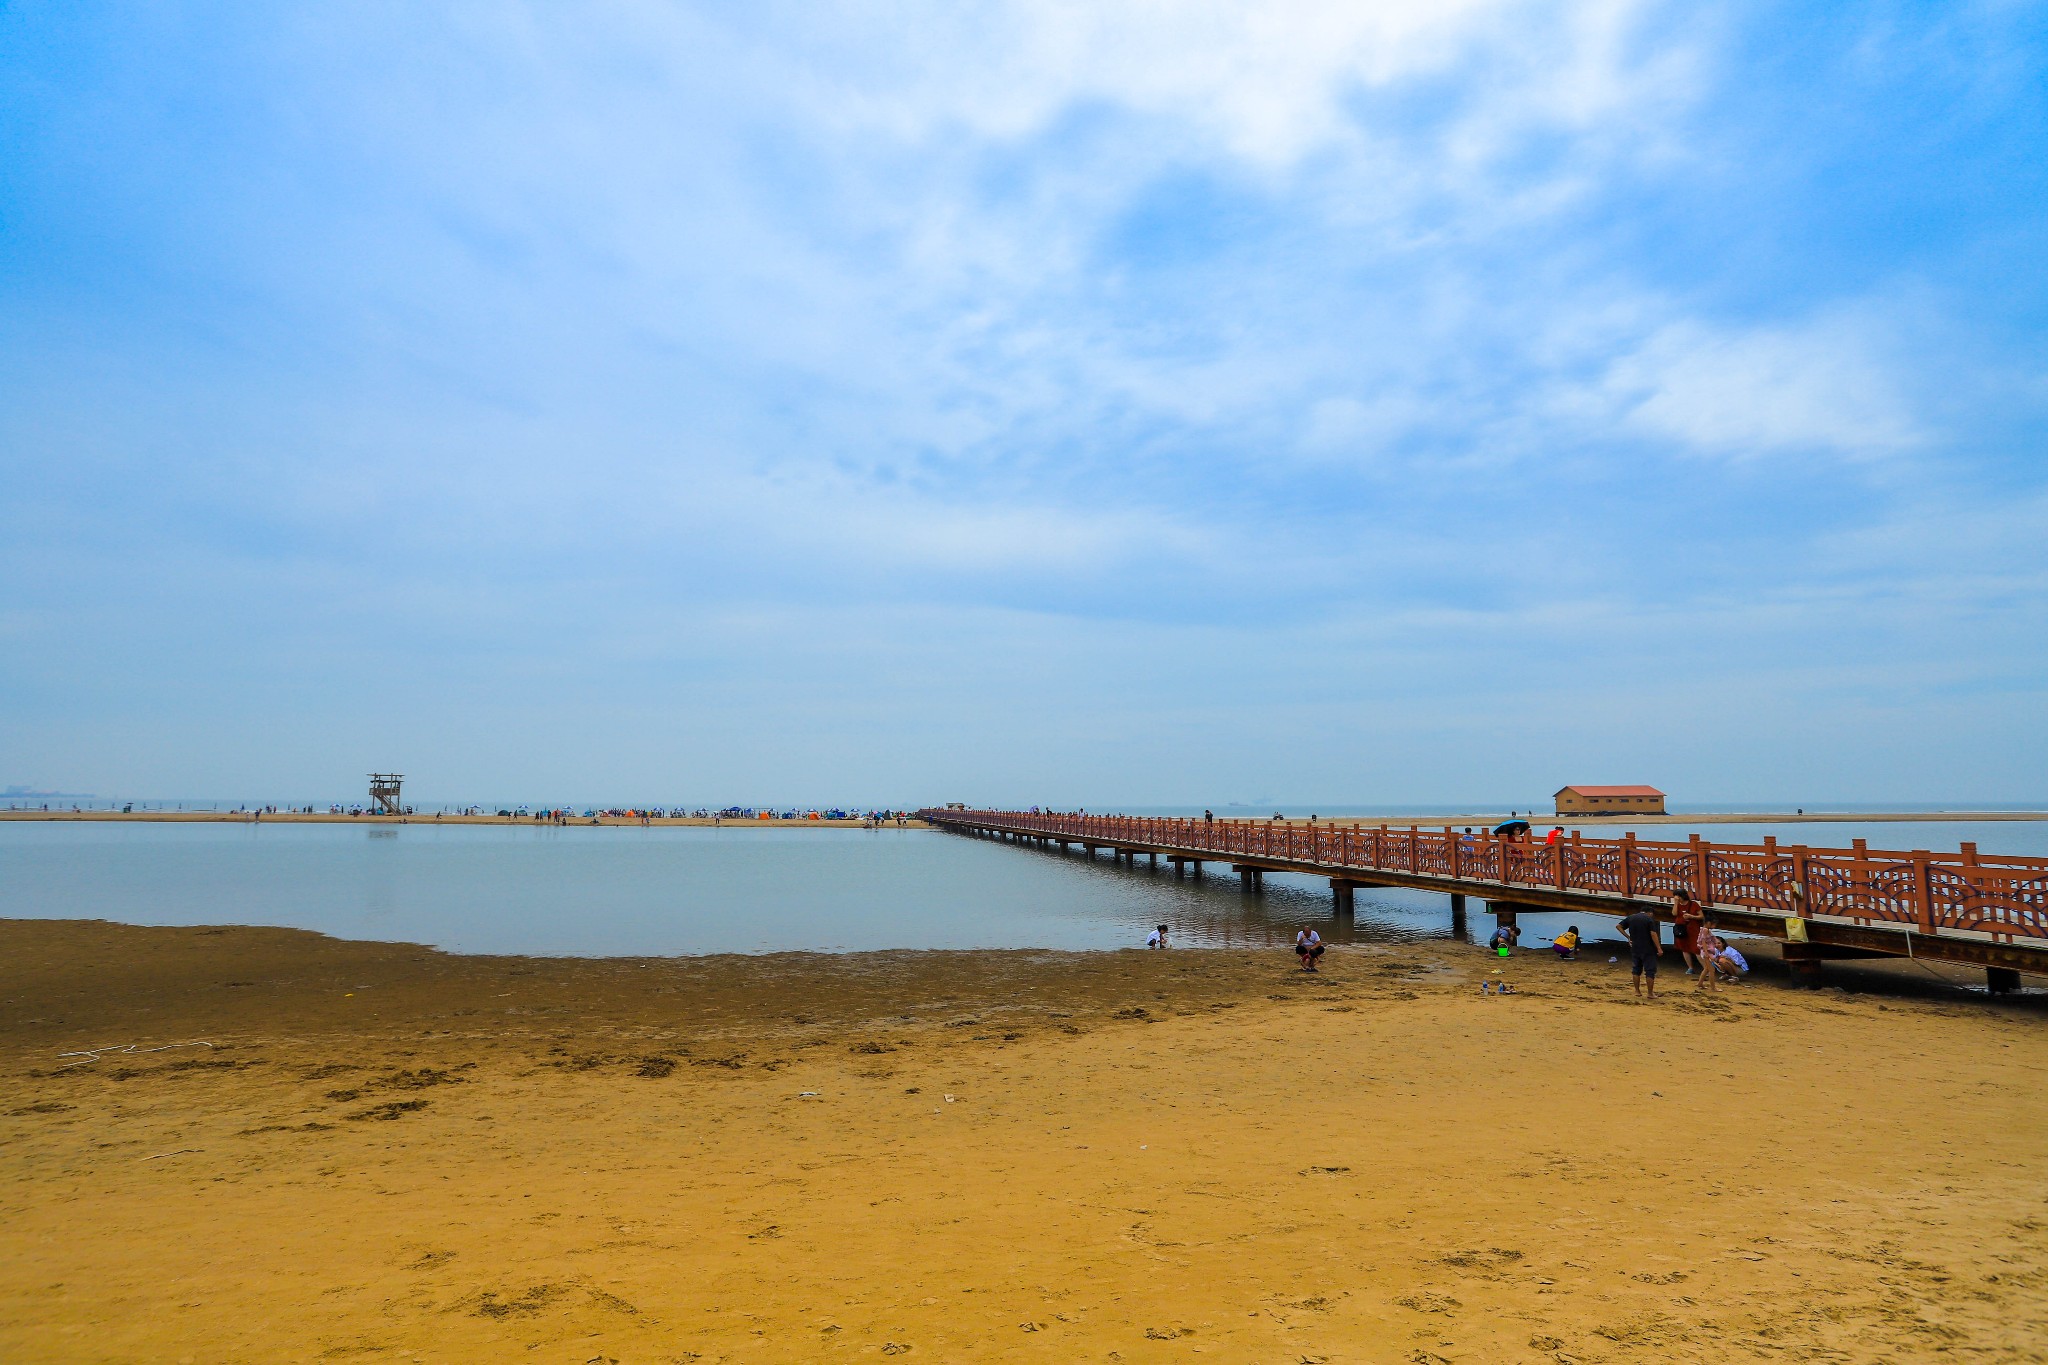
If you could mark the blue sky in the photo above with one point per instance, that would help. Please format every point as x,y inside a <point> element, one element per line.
<point>1058,402</point>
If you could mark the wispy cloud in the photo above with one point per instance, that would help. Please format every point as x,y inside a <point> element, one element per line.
<point>1825,387</point>
<point>1404,361</point>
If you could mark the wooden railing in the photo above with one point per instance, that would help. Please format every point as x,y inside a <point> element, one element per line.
<point>2005,898</point>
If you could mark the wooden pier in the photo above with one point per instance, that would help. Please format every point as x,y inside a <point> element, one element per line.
<point>1822,903</point>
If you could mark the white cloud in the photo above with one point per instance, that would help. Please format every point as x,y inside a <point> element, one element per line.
<point>896,530</point>
<point>1820,386</point>
<point>1269,82</point>
<point>1349,427</point>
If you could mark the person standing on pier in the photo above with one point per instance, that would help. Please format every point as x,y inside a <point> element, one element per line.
<point>1643,947</point>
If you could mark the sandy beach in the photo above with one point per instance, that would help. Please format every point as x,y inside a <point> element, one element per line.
<point>389,1153</point>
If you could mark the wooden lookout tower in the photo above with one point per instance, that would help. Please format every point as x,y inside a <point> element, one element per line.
<point>384,792</point>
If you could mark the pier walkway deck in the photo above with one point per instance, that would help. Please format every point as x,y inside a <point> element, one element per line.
<point>1823,903</point>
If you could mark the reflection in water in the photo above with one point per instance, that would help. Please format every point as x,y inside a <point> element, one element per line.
<point>661,891</point>
<point>1214,911</point>
<point>380,887</point>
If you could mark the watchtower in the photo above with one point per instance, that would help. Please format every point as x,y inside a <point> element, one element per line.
<point>384,792</point>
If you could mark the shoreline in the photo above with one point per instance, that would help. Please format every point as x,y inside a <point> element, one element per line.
<point>321,1147</point>
<point>205,817</point>
<point>1588,822</point>
<point>1880,976</point>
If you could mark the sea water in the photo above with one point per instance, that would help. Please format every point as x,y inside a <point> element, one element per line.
<point>629,891</point>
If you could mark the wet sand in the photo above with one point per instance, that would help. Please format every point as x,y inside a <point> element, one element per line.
<point>390,1153</point>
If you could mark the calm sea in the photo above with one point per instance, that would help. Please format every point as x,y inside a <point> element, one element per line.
<point>630,891</point>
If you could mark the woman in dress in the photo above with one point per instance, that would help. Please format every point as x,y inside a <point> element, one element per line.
<point>1687,923</point>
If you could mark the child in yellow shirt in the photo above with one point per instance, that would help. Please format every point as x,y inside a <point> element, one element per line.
<point>1567,943</point>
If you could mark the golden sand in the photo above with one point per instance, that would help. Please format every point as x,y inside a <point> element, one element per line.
<point>393,1154</point>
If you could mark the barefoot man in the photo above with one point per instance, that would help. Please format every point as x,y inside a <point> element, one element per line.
<point>1641,928</point>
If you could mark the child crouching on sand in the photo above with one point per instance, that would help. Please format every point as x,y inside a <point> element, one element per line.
<point>1567,943</point>
<point>1718,961</point>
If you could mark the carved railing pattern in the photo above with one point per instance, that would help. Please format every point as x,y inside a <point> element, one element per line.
<point>1433,857</point>
<point>1593,867</point>
<point>1663,869</point>
<point>1862,888</point>
<point>1761,880</point>
<point>2006,897</point>
<point>1527,864</point>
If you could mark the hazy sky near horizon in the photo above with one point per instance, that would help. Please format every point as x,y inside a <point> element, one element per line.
<point>1045,402</point>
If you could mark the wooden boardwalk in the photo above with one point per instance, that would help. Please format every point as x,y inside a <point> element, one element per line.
<point>1963,907</point>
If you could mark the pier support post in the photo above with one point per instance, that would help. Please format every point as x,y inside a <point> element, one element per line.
<point>1155,861</point>
<point>1340,896</point>
<point>1253,879</point>
<point>1196,865</point>
<point>2002,980</point>
<point>1458,914</point>
<point>1179,864</point>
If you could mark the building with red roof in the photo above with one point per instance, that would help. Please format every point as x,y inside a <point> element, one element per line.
<point>1583,800</point>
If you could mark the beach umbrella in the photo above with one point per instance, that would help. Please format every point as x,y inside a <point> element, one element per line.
<point>1512,827</point>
